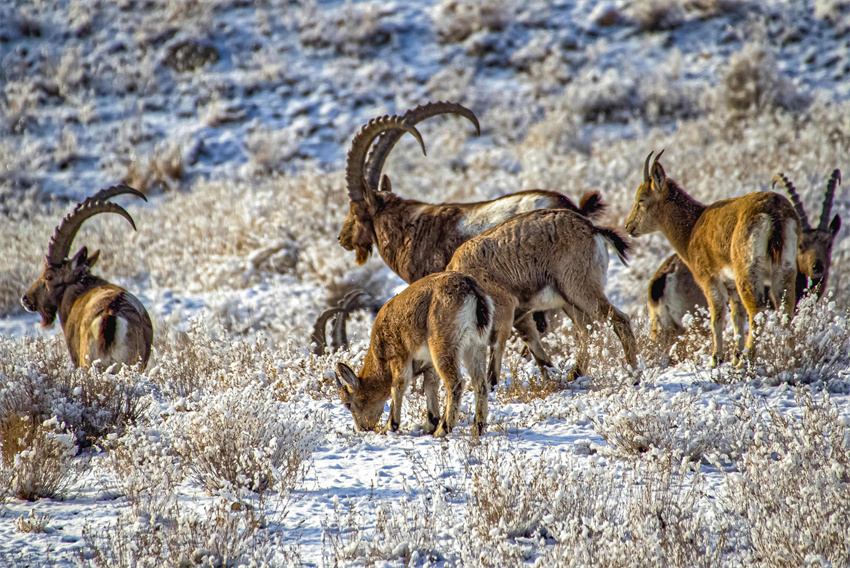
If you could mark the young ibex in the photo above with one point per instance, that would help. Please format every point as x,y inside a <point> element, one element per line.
<point>545,260</point>
<point>100,321</point>
<point>735,248</point>
<point>674,292</point>
<point>415,238</point>
<point>434,326</point>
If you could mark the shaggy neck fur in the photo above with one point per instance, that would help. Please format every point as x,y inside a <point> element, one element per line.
<point>74,291</point>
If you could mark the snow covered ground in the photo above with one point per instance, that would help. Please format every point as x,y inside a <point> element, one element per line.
<point>235,118</point>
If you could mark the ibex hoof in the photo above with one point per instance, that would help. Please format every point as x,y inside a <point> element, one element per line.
<point>441,431</point>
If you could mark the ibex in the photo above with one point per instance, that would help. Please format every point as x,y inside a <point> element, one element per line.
<point>737,249</point>
<point>339,336</point>
<point>415,238</point>
<point>673,290</point>
<point>435,325</point>
<point>545,260</point>
<point>101,321</point>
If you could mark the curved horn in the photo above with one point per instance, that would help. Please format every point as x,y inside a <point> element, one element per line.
<point>63,237</point>
<point>795,198</point>
<point>646,167</point>
<point>339,335</point>
<point>385,144</point>
<point>318,335</point>
<point>354,173</point>
<point>827,199</point>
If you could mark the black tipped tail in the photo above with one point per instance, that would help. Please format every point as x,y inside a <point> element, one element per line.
<point>482,307</point>
<point>776,241</point>
<point>591,204</point>
<point>617,241</point>
<point>656,288</point>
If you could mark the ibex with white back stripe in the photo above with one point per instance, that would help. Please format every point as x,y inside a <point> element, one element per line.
<point>673,291</point>
<point>437,324</point>
<point>101,321</point>
<point>736,249</point>
<point>415,238</point>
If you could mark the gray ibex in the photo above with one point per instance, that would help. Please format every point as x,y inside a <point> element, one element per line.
<point>674,292</point>
<point>545,260</point>
<point>434,326</point>
<point>737,249</point>
<point>415,238</point>
<point>101,321</point>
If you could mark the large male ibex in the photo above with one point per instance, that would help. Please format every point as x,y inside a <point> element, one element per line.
<point>739,250</point>
<point>674,292</point>
<point>434,326</point>
<point>545,260</point>
<point>415,238</point>
<point>101,321</point>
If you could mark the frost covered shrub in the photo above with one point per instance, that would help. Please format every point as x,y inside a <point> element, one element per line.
<point>751,83</point>
<point>146,468</point>
<point>162,170</point>
<point>792,495</point>
<point>657,15</point>
<point>568,514</point>
<point>815,346</point>
<point>456,20</point>
<point>645,419</point>
<point>213,537</point>
<point>38,457</point>
<point>244,438</point>
<point>350,29</point>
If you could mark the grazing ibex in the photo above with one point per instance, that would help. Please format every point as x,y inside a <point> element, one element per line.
<point>415,238</point>
<point>673,290</point>
<point>435,325</point>
<point>101,321</point>
<point>339,336</point>
<point>735,248</point>
<point>545,260</point>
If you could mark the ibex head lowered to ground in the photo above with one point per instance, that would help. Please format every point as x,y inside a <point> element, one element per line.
<point>814,251</point>
<point>100,321</point>
<point>737,249</point>
<point>434,326</point>
<point>415,238</point>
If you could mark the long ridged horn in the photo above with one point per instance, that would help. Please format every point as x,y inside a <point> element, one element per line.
<point>354,173</point>
<point>385,144</point>
<point>63,237</point>
<point>795,198</point>
<point>318,335</point>
<point>827,199</point>
<point>646,167</point>
<point>339,336</point>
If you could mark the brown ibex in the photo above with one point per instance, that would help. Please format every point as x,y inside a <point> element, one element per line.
<point>736,249</point>
<point>674,292</point>
<point>415,238</point>
<point>545,260</point>
<point>101,321</point>
<point>435,325</point>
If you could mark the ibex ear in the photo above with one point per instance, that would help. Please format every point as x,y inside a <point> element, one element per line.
<point>346,378</point>
<point>386,184</point>
<point>90,261</point>
<point>659,179</point>
<point>835,225</point>
<point>80,258</point>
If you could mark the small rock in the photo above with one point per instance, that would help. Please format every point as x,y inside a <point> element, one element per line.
<point>188,55</point>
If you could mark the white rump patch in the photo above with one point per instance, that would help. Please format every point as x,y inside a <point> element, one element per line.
<point>602,258</point>
<point>546,299</point>
<point>482,218</point>
<point>789,251</point>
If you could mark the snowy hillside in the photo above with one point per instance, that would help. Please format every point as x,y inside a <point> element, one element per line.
<point>234,117</point>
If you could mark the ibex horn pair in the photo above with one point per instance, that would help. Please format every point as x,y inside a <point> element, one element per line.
<point>646,164</point>
<point>835,179</point>
<point>60,243</point>
<point>339,336</point>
